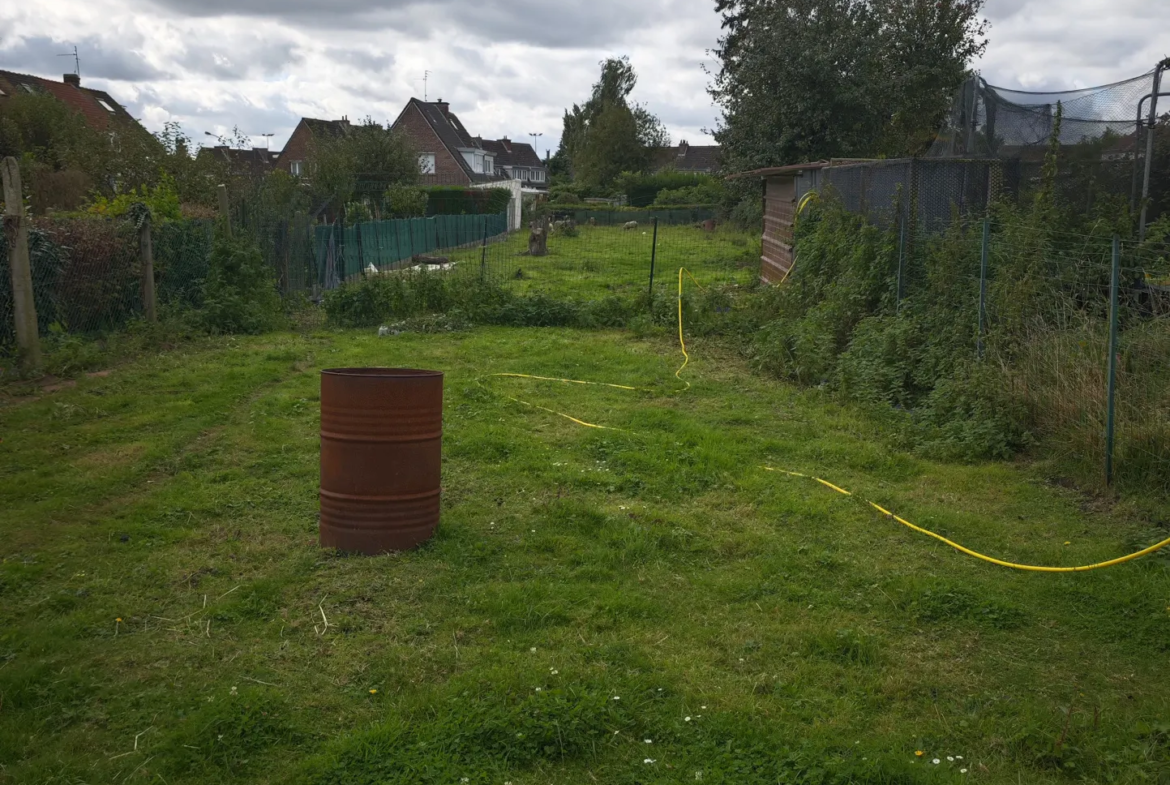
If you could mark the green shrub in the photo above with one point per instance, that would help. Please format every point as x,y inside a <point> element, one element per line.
<point>969,416</point>
<point>162,200</point>
<point>565,197</point>
<point>239,293</point>
<point>456,200</point>
<point>642,189</point>
<point>405,201</point>
<point>878,366</point>
<point>748,213</point>
<point>708,191</point>
<point>357,213</point>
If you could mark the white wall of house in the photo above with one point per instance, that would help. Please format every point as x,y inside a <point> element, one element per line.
<point>479,161</point>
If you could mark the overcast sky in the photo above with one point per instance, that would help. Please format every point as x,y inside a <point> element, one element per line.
<point>508,67</point>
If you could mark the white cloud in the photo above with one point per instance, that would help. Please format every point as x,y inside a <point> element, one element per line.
<point>507,68</point>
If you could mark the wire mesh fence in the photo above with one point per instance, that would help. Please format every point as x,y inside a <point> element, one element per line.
<point>1037,305</point>
<point>87,275</point>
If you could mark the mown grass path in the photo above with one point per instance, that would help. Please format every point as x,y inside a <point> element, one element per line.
<point>594,600</point>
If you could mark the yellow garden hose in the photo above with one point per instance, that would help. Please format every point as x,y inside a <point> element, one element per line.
<point>804,200</point>
<point>976,554</point>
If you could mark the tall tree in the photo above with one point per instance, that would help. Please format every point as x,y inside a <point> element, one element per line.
<point>611,146</point>
<point>360,164</point>
<point>807,79</point>
<point>631,131</point>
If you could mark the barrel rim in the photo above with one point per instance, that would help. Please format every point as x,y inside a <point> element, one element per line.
<point>382,373</point>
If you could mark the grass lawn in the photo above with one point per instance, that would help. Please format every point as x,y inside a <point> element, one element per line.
<point>609,260</point>
<point>637,606</point>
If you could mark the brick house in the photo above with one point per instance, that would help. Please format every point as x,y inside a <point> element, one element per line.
<point>518,161</point>
<point>98,108</point>
<point>253,162</point>
<point>690,158</point>
<point>296,152</point>
<point>447,153</point>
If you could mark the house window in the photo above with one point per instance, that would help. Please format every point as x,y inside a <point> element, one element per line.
<point>488,165</point>
<point>106,106</point>
<point>538,175</point>
<point>294,167</point>
<point>27,87</point>
<point>426,163</point>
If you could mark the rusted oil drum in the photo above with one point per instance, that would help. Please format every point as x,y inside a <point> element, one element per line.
<point>380,457</point>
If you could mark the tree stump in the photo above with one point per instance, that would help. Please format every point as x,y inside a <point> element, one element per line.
<point>538,238</point>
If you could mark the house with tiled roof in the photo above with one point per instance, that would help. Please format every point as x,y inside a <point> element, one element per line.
<point>691,158</point>
<point>448,154</point>
<point>245,162</point>
<point>98,107</point>
<point>517,161</point>
<point>296,152</point>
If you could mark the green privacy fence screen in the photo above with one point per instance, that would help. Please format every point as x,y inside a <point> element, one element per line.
<point>347,251</point>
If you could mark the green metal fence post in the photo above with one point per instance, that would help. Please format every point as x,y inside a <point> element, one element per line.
<point>1114,280</point>
<point>983,285</point>
<point>901,260</point>
<point>653,253</point>
<point>483,250</point>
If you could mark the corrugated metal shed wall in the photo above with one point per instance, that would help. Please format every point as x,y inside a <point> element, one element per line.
<point>779,209</point>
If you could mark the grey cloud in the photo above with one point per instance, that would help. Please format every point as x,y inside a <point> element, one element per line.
<point>241,59</point>
<point>232,111</point>
<point>38,54</point>
<point>361,58</point>
<point>537,22</point>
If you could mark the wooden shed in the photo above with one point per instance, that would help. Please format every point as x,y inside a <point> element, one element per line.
<point>783,187</point>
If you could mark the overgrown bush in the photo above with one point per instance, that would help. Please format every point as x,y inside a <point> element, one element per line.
<point>239,293</point>
<point>405,201</point>
<point>357,213</point>
<point>747,213</point>
<point>642,189</point>
<point>162,200</point>
<point>565,197</point>
<point>391,298</point>
<point>98,285</point>
<point>456,200</point>
<point>709,190</point>
<point>1036,376</point>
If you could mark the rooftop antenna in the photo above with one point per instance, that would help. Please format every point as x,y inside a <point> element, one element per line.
<point>426,76</point>
<point>76,60</point>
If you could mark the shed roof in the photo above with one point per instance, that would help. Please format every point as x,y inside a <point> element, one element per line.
<point>795,169</point>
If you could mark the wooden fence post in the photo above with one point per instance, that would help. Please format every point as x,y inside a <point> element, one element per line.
<point>24,309</point>
<point>225,208</point>
<point>146,260</point>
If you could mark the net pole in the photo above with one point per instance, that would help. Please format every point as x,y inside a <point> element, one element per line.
<point>1111,391</point>
<point>1153,118</point>
<point>483,250</point>
<point>901,261</point>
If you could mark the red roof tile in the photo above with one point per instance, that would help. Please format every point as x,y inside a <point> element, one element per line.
<point>96,106</point>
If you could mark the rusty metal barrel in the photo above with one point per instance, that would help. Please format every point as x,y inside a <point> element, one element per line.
<point>380,457</point>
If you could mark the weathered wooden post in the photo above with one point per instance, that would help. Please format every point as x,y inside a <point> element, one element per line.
<point>24,309</point>
<point>146,260</point>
